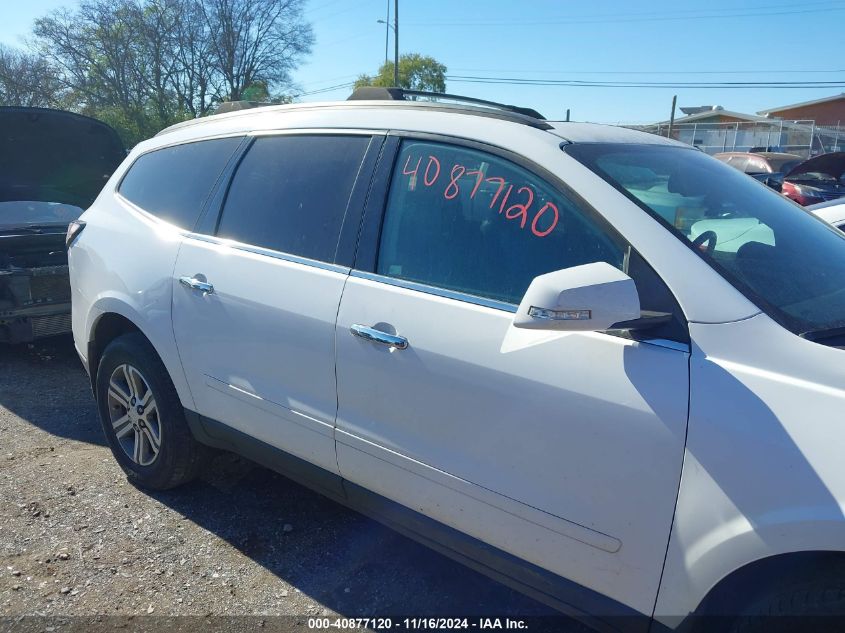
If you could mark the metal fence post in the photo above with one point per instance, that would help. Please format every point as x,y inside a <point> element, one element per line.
<point>812,138</point>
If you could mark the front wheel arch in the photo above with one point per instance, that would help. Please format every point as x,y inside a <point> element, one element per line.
<point>731,594</point>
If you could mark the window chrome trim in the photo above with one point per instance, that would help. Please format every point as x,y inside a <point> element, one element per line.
<point>495,305</point>
<point>210,137</point>
<point>315,131</point>
<point>438,292</point>
<point>267,252</point>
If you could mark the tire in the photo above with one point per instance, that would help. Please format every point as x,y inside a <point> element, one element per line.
<point>812,604</point>
<point>153,445</point>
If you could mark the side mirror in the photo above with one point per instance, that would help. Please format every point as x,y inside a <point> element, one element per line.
<point>587,298</point>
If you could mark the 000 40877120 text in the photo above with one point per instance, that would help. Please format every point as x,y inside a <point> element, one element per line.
<point>431,174</point>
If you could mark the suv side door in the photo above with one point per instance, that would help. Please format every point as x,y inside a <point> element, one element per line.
<point>256,298</point>
<point>563,449</point>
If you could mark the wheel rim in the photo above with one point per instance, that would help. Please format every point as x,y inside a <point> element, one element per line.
<point>134,415</point>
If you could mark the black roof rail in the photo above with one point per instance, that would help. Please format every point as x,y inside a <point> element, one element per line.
<point>377,93</point>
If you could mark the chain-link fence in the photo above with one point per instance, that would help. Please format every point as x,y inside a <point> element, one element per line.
<point>804,138</point>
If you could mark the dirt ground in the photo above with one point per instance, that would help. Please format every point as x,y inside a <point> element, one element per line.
<point>76,539</point>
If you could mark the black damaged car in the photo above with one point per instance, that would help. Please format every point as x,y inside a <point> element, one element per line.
<point>816,180</point>
<point>53,165</point>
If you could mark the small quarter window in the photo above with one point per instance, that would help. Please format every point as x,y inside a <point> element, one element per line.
<point>475,223</point>
<point>173,183</point>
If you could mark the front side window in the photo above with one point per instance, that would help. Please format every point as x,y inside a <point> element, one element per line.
<point>475,223</point>
<point>790,263</point>
<point>173,183</point>
<point>290,193</point>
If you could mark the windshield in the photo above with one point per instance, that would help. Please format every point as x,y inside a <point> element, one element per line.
<point>19,213</point>
<point>787,261</point>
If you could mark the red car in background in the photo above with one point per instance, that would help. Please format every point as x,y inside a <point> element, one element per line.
<point>818,179</point>
<point>767,167</point>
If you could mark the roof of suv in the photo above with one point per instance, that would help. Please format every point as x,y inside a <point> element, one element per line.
<point>567,131</point>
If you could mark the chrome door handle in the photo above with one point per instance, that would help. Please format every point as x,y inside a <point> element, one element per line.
<point>377,336</point>
<point>195,284</point>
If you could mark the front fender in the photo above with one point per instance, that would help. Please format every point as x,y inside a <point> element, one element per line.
<point>711,539</point>
<point>762,473</point>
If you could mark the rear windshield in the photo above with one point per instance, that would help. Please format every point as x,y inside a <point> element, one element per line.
<point>784,259</point>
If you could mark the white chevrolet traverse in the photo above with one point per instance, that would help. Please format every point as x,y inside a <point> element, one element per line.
<point>594,363</point>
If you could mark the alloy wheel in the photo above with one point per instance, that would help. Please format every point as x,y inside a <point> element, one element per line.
<point>134,415</point>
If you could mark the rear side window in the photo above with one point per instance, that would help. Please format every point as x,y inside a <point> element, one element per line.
<point>756,166</point>
<point>475,223</point>
<point>173,183</point>
<point>290,193</point>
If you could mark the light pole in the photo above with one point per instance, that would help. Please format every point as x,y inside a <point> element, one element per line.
<point>386,31</point>
<point>388,27</point>
<point>396,43</point>
<point>395,27</point>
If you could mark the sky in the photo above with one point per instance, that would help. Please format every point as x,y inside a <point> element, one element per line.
<point>605,41</point>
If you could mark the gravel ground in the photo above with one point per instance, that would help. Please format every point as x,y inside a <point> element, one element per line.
<point>76,539</point>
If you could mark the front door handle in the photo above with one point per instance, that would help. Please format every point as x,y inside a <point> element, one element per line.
<point>195,284</point>
<point>377,336</point>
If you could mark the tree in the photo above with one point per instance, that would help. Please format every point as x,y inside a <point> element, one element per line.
<point>27,80</point>
<point>256,40</point>
<point>141,65</point>
<point>198,86</point>
<point>416,72</point>
<point>97,50</point>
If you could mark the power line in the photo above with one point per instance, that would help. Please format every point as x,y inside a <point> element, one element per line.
<point>648,72</point>
<point>745,12</point>
<point>575,83</point>
<point>326,16</point>
<point>325,81</point>
<point>348,84</point>
<point>347,39</point>
<point>321,6</point>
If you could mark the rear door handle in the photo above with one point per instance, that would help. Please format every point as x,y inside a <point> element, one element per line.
<point>195,284</point>
<point>377,336</point>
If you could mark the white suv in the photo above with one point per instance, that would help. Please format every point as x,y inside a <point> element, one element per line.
<point>594,363</point>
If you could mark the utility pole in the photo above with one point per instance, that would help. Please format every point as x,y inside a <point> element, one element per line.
<point>396,43</point>
<point>672,117</point>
